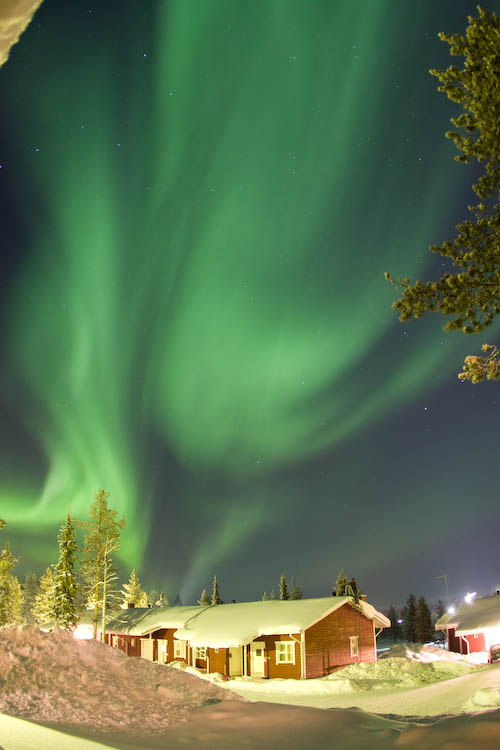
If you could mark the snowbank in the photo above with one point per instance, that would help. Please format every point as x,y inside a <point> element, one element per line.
<point>429,653</point>
<point>484,698</point>
<point>391,674</point>
<point>94,691</point>
<point>55,679</point>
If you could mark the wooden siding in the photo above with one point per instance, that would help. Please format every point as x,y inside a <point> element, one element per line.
<point>218,660</point>
<point>272,669</point>
<point>453,641</point>
<point>166,634</point>
<point>130,645</point>
<point>327,642</point>
<point>476,644</point>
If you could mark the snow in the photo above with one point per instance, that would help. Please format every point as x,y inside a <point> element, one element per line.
<point>350,686</point>
<point>138,621</point>
<point>430,653</point>
<point>87,691</point>
<point>479,614</point>
<point>17,734</point>
<point>57,679</point>
<point>238,624</point>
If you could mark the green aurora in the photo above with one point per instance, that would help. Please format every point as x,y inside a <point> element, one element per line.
<point>214,196</point>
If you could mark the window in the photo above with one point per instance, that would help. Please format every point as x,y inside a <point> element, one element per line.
<point>114,641</point>
<point>476,635</point>
<point>285,652</point>
<point>132,641</point>
<point>179,649</point>
<point>201,652</point>
<point>354,646</point>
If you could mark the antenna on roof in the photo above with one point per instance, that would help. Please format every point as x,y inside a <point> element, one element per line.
<point>436,578</point>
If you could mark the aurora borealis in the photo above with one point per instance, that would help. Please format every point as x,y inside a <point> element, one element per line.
<point>200,198</point>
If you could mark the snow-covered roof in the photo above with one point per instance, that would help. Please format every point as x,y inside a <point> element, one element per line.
<point>443,621</point>
<point>480,614</point>
<point>138,621</point>
<point>237,624</point>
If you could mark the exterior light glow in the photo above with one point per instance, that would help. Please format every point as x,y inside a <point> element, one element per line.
<point>469,597</point>
<point>400,622</point>
<point>451,610</point>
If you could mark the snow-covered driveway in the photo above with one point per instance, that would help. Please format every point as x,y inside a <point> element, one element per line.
<point>441,698</point>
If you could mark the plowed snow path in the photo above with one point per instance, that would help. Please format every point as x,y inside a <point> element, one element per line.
<point>439,699</point>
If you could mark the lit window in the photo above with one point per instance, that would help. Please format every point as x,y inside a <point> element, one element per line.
<point>476,635</point>
<point>179,649</point>
<point>354,645</point>
<point>132,641</point>
<point>285,652</point>
<point>201,652</point>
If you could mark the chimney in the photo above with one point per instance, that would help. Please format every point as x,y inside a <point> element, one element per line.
<point>130,605</point>
<point>363,597</point>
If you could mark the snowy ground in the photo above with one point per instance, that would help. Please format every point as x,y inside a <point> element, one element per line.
<point>408,682</point>
<point>95,697</point>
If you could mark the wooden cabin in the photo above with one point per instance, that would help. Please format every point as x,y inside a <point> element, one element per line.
<point>474,627</point>
<point>301,638</point>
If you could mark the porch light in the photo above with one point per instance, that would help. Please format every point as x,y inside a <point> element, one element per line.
<point>469,597</point>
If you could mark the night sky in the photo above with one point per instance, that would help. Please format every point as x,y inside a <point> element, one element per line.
<point>199,199</point>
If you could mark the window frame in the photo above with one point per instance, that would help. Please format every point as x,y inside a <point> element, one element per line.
<point>282,649</point>
<point>200,653</point>
<point>179,646</point>
<point>354,646</point>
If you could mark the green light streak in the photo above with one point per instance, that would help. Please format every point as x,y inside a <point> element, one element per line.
<point>210,277</point>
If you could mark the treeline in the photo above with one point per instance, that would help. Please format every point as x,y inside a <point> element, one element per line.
<point>64,592</point>
<point>415,621</point>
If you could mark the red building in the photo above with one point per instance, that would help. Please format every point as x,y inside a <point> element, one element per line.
<point>286,639</point>
<point>474,627</point>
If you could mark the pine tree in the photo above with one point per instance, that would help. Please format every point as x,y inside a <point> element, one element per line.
<point>11,598</point>
<point>2,523</point>
<point>65,589</point>
<point>470,296</point>
<point>272,595</point>
<point>133,593</point>
<point>423,622</point>
<point>30,590</point>
<point>99,573</point>
<point>395,629</point>
<point>295,592</point>
<point>265,597</point>
<point>215,593</point>
<point>283,588</point>
<point>340,584</point>
<point>12,605</point>
<point>439,609</point>
<point>204,599</point>
<point>43,606</point>
<point>409,613</point>
<point>153,596</point>
<point>178,601</point>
